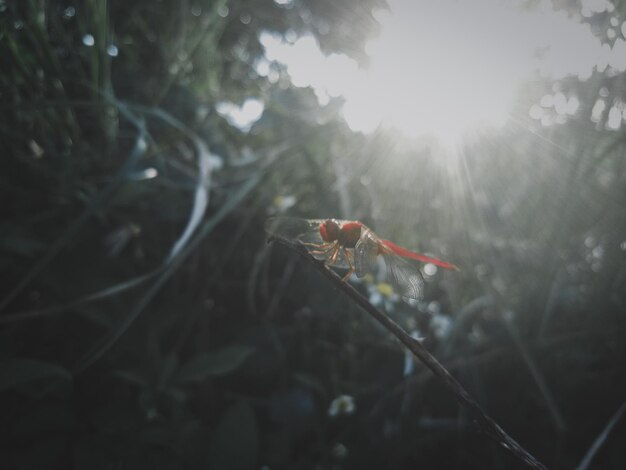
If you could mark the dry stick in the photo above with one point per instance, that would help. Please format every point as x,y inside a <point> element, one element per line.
<point>600,440</point>
<point>487,425</point>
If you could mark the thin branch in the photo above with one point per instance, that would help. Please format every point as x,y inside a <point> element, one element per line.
<point>599,442</point>
<point>486,424</point>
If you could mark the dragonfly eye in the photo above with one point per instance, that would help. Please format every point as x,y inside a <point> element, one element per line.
<point>329,230</point>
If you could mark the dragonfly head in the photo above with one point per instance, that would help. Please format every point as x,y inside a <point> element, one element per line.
<point>329,230</point>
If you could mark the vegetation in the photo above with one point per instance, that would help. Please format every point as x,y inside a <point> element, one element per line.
<point>146,323</point>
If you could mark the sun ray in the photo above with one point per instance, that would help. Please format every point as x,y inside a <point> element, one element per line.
<point>444,68</point>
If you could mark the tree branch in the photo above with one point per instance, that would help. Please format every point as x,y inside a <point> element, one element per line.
<point>486,424</point>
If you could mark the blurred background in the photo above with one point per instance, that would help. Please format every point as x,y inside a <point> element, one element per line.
<point>145,322</point>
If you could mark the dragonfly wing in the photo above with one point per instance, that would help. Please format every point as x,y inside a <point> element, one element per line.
<point>293,228</point>
<point>365,255</point>
<point>307,230</point>
<point>405,277</point>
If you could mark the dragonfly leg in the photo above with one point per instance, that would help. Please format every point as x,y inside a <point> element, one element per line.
<point>325,249</point>
<point>335,254</point>
<point>319,252</point>
<point>320,248</point>
<point>319,245</point>
<point>348,257</point>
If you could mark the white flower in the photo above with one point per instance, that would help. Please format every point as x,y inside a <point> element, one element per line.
<point>340,451</point>
<point>117,240</point>
<point>342,405</point>
<point>382,294</point>
<point>440,325</point>
<point>281,204</point>
<point>477,335</point>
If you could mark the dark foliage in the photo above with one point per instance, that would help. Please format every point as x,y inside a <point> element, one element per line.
<point>124,344</point>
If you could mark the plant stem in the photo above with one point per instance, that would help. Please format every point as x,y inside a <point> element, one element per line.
<point>486,424</point>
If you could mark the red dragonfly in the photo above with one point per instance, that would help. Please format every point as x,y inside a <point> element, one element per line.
<point>351,245</point>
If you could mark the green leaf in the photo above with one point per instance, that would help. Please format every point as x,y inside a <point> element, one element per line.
<point>235,443</point>
<point>17,372</point>
<point>47,418</point>
<point>310,381</point>
<point>22,246</point>
<point>131,377</point>
<point>214,364</point>
<point>92,453</point>
<point>168,369</point>
<point>46,452</point>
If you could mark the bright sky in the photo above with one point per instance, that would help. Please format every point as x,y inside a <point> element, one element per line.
<point>447,67</point>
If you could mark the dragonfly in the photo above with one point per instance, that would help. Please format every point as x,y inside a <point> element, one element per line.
<point>351,245</point>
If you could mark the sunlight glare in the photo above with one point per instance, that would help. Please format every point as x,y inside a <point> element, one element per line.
<point>446,67</point>
<point>244,116</point>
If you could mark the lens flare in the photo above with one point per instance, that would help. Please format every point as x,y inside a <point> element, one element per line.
<point>445,67</point>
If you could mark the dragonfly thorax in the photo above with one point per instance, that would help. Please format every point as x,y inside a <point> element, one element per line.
<point>329,230</point>
<point>346,234</point>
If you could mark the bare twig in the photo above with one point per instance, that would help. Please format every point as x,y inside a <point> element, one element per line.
<point>486,424</point>
<point>597,444</point>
